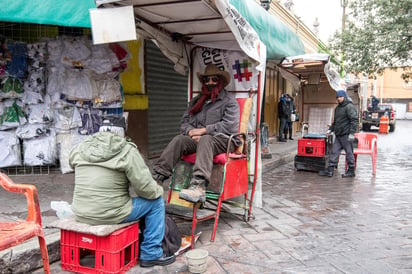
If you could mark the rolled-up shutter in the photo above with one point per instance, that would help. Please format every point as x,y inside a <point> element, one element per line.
<point>167,91</point>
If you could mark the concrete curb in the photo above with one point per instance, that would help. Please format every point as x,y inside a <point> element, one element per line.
<point>26,257</point>
<point>287,158</point>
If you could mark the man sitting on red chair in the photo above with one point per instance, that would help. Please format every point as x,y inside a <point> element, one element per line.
<point>210,119</point>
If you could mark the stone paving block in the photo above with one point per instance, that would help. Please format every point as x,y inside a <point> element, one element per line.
<point>271,235</point>
<point>403,263</point>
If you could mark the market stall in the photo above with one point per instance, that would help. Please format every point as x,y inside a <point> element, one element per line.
<point>238,36</point>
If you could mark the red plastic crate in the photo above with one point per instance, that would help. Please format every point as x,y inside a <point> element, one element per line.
<point>88,253</point>
<point>311,147</point>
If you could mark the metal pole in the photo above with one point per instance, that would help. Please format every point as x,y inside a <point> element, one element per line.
<point>343,4</point>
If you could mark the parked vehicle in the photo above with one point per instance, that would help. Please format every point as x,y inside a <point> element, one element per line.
<point>372,116</point>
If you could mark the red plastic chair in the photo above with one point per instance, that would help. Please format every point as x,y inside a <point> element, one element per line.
<point>14,233</point>
<point>233,172</point>
<point>367,144</point>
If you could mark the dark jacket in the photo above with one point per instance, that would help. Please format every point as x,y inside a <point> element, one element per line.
<point>283,109</point>
<point>345,119</point>
<point>220,117</point>
<point>292,109</point>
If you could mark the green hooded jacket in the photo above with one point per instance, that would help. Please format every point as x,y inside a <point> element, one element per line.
<point>105,165</point>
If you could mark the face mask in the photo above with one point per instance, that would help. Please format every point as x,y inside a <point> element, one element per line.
<point>210,87</point>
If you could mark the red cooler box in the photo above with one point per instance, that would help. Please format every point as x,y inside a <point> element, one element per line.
<point>312,153</point>
<point>311,147</point>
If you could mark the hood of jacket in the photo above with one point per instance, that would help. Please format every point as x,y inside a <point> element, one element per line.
<point>101,147</point>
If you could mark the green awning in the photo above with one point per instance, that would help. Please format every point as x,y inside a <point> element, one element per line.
<point>70,13</point>
<point>279,39</point>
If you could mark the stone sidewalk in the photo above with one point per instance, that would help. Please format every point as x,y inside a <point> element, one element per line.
<point>307,224</point>
<point>59,187</point>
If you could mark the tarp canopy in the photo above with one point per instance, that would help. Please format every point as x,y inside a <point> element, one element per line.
<point>310,69</point>
<point>279,39</point>
<point>226,24</point>
<point>71,13</point>
<point>199,22</point>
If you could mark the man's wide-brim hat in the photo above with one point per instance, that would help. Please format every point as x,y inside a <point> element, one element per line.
<point>212,70</point>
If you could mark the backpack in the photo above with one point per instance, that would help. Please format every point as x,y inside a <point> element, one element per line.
<point>173,238</point>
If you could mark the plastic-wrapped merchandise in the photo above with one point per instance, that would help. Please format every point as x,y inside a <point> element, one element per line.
<point>65,143</point>
<point>10,149</point>
<point>102,59</point>
<point>31,98</point>
<point>91,120</point>
<point>29,131</point>
<point>11,88</point>
<point>77,85</point>
<point>76,51</point>
<point>108,90</point>
<point>11,114</point>
<point>40,151</point>
<point>55,81</point>
<point>54,50</point>
<point>37,51</point>
<point>36,80</point>
<point>66,118</point>
<point>17,67</point>
<point>40,113</point>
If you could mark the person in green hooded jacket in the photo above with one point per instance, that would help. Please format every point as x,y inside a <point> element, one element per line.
<point>106,165</point>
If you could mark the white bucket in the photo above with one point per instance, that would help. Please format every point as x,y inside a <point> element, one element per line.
<point>197,260</point>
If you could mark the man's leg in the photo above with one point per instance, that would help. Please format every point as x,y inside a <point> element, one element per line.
<point>290,127</point>
<point>180,144</point>
<point>333,158</point>
<point>153,212</point>
<point>282,127</point>
<point>350,158</point>
<point>206,149</point>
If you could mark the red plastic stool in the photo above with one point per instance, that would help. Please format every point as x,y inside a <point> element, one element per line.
<point>89,253</point>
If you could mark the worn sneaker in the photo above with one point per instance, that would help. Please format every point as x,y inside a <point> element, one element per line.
<point>164,260</point>
<point>195,193</point>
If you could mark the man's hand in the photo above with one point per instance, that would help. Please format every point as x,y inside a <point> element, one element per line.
<point>328,132</point>
<point>196,138</point>
<point>197,132</point>
<point>351,137</point>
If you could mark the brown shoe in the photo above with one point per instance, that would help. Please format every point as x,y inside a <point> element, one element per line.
<point>195,193</point>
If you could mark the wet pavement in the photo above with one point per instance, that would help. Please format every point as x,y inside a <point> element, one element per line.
<point>308,223</point>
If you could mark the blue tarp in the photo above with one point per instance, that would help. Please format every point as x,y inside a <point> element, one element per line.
<point>71,13</point>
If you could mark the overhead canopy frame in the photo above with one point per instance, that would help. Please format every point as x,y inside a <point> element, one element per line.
<point>310,69</point>
<point>225,24</point>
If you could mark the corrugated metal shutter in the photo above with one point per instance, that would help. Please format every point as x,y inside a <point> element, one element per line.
<point>167,91</point>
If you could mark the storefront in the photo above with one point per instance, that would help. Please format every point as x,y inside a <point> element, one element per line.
<point>156,100</point>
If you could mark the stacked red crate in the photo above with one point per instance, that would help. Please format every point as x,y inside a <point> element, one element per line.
<point>88,253</point>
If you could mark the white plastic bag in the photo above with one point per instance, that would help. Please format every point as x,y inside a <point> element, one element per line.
<point>63,209</point>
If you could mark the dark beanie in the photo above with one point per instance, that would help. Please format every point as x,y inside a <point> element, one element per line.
<point>341,93</point>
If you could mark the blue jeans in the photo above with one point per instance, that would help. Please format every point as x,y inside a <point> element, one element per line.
<point>153,212</point>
